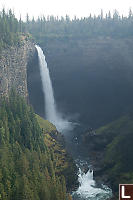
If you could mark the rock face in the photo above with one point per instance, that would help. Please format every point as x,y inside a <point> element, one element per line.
<point>13,68</point>
<point>92,78</point>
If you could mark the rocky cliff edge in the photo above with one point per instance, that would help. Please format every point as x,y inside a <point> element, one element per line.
<point>13,68</point>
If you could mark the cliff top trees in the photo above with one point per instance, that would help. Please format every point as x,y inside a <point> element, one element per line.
<point>110,25</point>
<point>9,28</point>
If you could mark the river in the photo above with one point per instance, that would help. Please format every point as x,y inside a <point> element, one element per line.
<point>88,188</point>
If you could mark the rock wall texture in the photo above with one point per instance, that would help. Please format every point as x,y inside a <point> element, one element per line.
<point>13,68</point>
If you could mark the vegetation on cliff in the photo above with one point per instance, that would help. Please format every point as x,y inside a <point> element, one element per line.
<point>28,167</point>
<point>118,160</point>
<point>12,30</point>
<point>63,162</point>
<point>9,29</point>
<point>114,144</point>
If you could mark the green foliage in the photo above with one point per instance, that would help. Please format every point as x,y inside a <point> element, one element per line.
<point>10,29</point>
<point>118,161</point>
<point>44,29</point>
<point>62,162</point>
<point>26,167</point>
<point>45,125</point>
<point>51,28</point>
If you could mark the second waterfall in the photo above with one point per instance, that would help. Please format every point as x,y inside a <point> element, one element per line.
<point>51,112</point>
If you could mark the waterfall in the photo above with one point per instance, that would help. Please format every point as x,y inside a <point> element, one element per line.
<point>51,112</point>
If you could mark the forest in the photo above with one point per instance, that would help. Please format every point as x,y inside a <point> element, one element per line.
<point>111,25</point>
<point>27,164</point>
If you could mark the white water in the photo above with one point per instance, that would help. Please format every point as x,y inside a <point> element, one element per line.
<point>88,189</point>
<point>51,112</point>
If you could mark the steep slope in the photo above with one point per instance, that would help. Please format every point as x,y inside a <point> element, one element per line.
<point>28,167</point>
<point>111,148</point>
<point>63,162</point>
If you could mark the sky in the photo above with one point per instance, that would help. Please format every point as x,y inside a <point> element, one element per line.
<point>80,8</point>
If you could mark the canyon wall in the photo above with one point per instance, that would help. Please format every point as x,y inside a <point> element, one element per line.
<point>13,68</point>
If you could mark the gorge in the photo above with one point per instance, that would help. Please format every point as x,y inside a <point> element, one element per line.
<point>66,83</point>
<point>86,91</point>
<point>87,189</point>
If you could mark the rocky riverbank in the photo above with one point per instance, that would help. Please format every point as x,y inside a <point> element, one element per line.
<point>94,148</point>
<point>110,151</point>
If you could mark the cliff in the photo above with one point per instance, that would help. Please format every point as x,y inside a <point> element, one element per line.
<point>13,68</point>
<point>92,78</point>
<point>17,65</point>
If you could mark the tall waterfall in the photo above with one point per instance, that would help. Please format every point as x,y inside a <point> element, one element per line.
<point>51,112</point>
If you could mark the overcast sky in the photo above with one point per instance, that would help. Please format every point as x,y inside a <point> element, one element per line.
<point>79,8</point>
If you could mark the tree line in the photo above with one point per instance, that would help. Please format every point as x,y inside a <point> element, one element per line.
<point>9,28</point>
<point>110,25</point>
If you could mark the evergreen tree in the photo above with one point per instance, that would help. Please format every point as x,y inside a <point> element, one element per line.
<point>26,168</point>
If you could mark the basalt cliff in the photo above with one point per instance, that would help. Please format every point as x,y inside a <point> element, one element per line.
<point>13,68</point>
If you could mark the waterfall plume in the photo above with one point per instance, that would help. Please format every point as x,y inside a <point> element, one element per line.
<point>51,112</point>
